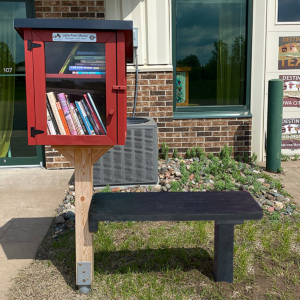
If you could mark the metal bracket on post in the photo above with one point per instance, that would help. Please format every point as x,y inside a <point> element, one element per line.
<point>84,273</point>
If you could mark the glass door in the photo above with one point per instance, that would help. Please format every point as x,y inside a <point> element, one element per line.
<point>14,148</point>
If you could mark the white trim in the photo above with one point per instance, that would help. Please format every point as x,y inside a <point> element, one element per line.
<point>21,167</point>
<point>152,68</point>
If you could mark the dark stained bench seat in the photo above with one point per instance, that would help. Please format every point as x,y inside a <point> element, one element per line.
<point>225,208</point>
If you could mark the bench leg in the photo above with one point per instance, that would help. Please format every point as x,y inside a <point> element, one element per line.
<point>223,252</point>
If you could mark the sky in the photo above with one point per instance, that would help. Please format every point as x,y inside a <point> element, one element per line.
<point>198,27</point>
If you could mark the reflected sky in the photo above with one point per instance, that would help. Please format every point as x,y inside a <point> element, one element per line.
<point>8,35</point>
<point>198,26</point>
<point>288,11</point>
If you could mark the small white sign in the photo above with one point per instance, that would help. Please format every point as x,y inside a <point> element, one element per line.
<point>74,37</point>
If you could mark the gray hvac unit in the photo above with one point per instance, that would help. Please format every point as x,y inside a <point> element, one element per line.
<point>135,163</point>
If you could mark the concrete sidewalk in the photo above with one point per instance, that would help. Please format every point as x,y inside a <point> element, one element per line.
<point>28,198</point>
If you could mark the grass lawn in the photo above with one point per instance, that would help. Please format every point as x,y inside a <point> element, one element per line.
<point>170,260</point>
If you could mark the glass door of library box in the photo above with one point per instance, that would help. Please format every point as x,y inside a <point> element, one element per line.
<point>75,103</point>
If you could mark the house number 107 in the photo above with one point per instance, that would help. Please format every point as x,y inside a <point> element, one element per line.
<point>7,70</point>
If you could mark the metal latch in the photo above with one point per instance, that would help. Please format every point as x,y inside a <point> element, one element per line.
<point>31,45</point>
<point>119,87</point>
<point>34,131</point>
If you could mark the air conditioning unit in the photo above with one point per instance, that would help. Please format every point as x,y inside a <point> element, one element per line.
<point>135,163</point>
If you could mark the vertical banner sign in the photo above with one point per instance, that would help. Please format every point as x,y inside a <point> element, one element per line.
<point>181,87</point>
<point>289,53</point>
<point>291,90</point>
<point>290,134</point>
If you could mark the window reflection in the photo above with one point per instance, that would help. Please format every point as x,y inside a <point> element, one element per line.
<point>211,41</point>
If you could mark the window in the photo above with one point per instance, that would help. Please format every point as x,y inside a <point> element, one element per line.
<point>288,10</point>
<point>211,55</point>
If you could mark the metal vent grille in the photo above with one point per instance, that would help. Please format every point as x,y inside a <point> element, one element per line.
<point>132,164</point>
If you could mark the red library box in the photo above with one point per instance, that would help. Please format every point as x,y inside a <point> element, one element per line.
<point>76,80</point>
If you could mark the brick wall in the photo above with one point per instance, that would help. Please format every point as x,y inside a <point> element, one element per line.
<point>70,9</point>
<point>155,99</point>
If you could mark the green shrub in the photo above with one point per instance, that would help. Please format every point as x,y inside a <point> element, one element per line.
<point>175,153</point>
<point>193,152</point>
<point>106,189</point>
<point>210,156</point>
<point>284,157</point>
<point>188,154</point>
<point>200,152</point>
<point>175,186</point>
<point>246,157</point>
<point>296,157</point>
<point>226,152</point>
<point>164,150</point>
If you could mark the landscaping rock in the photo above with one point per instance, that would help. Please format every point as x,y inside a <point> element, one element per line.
<point>164,189</point>
<point>59,220</point>
<point>70,214</point>
<point>270,209</point>
<point>279,204</point>
<point>116,189</point>
<point>168,186</point>
<point>261,180</point>
<point>268,202</point>
<point>280,198</point>
<point>156,188</point>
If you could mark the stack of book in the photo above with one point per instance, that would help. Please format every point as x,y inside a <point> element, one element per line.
<point>66,118</point>
<point>85,63</point>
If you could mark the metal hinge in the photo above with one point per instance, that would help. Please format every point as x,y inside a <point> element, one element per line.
<point>119,87</point>
<point>34,131</point>
<point>31,45</point>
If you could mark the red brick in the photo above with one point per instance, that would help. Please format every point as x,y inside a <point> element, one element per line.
<point>149,76</point>
<point>212,139</point>
<point>179,129</point>
<point>86,3</point>
<point>215,149</point>
<point>61,9</point>
<point>235,122</point>
<point>165,76</point>
<point>157,82</point>
<point>39,3</point>
<point>69,3</point>
<point>219,122</point>
<point>44,9</point>
<point>87,15</point>
<point>220,133</point>
<point>70,15</point>
<point>39,15</point>
<point>77,8</point>
<point>51,3</point>
<point>166,98</point>
<point>212,128</point>
<point>186,134</point>
<point>52,15</point>
<point>204,123</point>
<point>188,123</point>
<point>96,9</point>
<point>165,87</point>
<point>100,3</point>
<point>149,87</point>
<point>157,93</point>
<point>166,129</point>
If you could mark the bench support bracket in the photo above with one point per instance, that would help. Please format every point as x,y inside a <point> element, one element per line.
<point>223,250</point>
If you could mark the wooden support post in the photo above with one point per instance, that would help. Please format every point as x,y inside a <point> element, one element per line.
<point>83,158</point>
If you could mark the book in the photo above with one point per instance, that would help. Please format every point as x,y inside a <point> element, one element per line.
<point>72,53</point>
<point>64,106</point>
<point>88,73</point>
<point>91,64</point>
<point>93,115</point>
<point>84,61</point>
<point>90,117</point>
<point>78,68</point>
<point>52,100</point>
<point>75,120</point>
<point>52,116</point>
<point>50,124</point>
<point>96,57</point>
<point>85,118</point>
<point>80,119</point>
<point>89,53</point>
<point>62,118</point>
<point>96,111</point>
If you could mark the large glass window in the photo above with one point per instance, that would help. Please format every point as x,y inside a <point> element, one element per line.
<point>13,118</point>
<point>288,11</point>
<point>211,53</point>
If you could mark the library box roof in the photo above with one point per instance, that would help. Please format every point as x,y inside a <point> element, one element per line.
<point>67,24</point>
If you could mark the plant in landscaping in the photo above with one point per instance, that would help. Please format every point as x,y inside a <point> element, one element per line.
<point>210,156</point>
<point>219,185</point>
<point>106,189</point>
<point>200,152</point>
<point>246,157</point>
<point>197,177</point>
<point>296,157</point>
<point>164,150</point>
<point>238,158</point>
<point>284,157</point>
<point>188,154</point>
<point>175,153</point>
<point>175,186</point>
<point>254,158</point>
<point>193,152</point>
<point>226,152</point>
<point>280,170</point>
<point>149,188</point>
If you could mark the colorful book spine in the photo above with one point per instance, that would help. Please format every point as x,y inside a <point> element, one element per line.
<point>52,117</point>
<point>90,117</point>
<point>64,106</point>
<point>92,61</point>
<point>75,119</point>
<point>53,101</point>
<point>85,118</point>
<point>80,120</point>
<point>63,119</point>
<point>77,127</point>
<point>72,53</point>
<point>97,113</point>
<point>50,124</point>
<point>88,73</point>
<point>91,65</point>
<point>96,57</point>
<point>89,53</point>
<point>78,68</point>
<point>94,115</point>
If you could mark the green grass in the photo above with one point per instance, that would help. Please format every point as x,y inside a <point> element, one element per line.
<point>174,260</point>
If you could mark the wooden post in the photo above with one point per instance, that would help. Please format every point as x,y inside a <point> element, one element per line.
<point>83,158</point>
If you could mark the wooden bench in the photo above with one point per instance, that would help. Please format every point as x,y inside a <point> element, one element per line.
<point>225,208</point>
